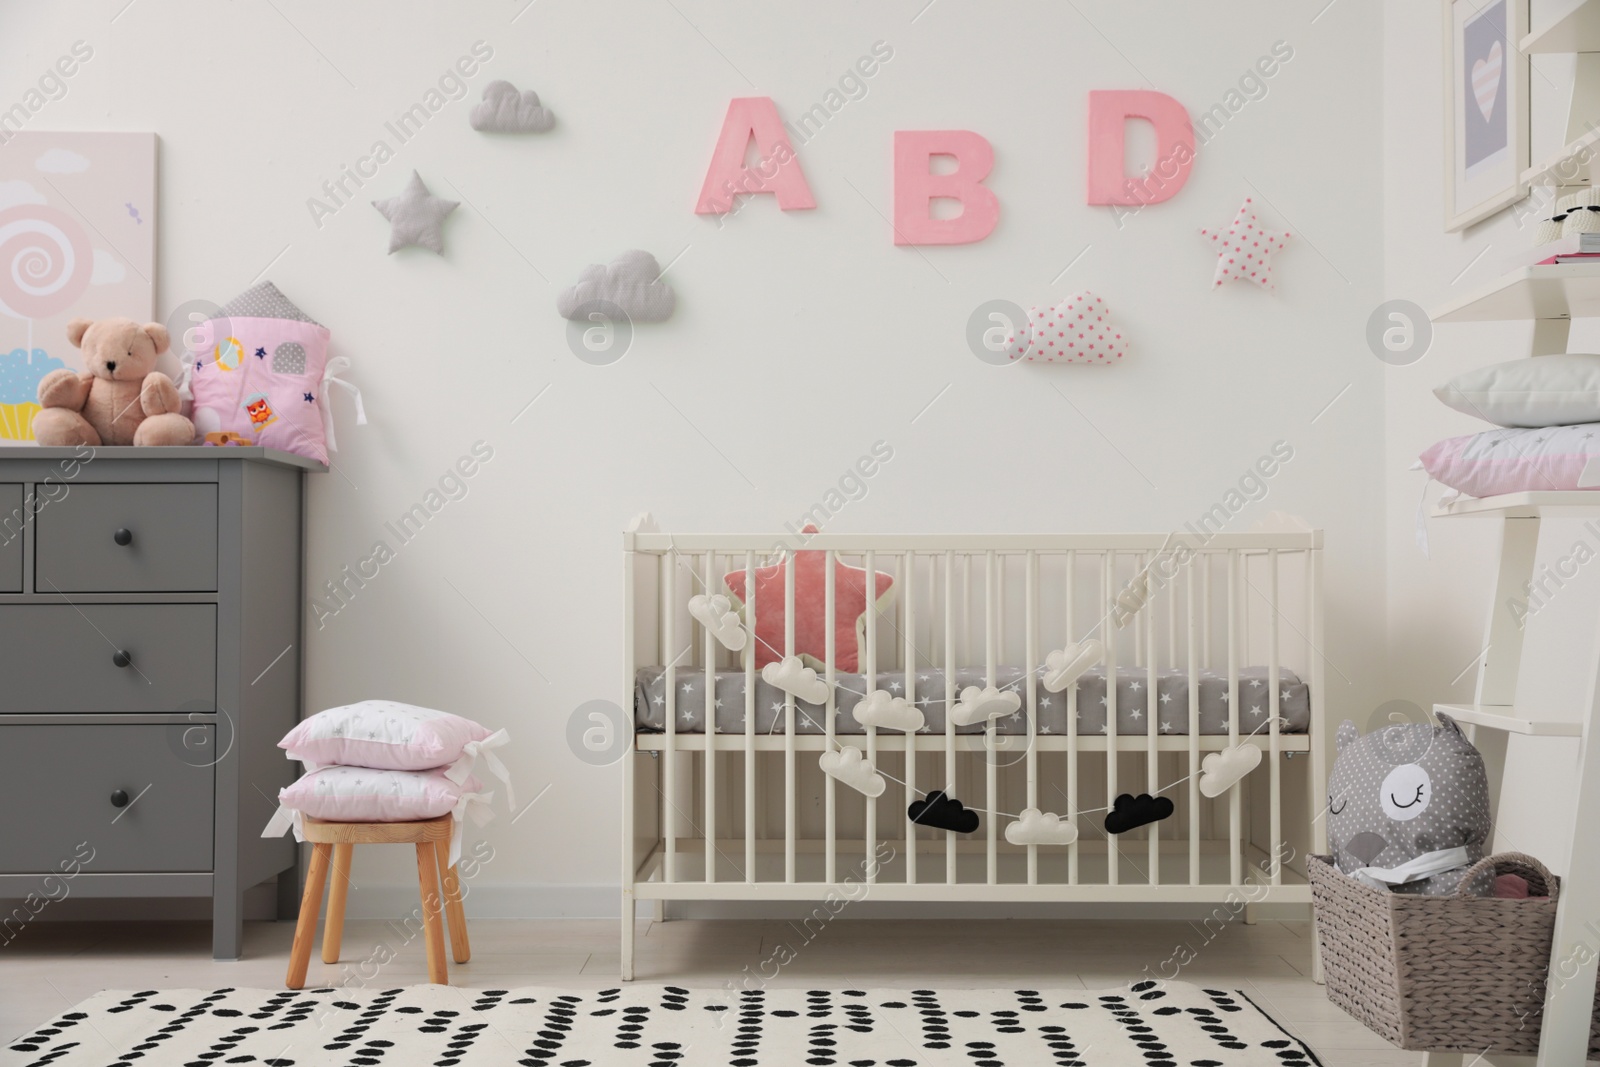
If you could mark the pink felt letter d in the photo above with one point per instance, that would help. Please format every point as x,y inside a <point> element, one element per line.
<point>1109,112</point>
<point>915,187</point>
<point>777,172</point>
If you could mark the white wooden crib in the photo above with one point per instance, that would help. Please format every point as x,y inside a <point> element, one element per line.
<point>715,815</point>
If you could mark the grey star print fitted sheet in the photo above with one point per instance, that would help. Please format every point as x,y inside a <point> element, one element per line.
<point>1133,701</point>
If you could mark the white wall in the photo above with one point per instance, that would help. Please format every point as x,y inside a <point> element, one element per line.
<point>800,338</point>
<point>1437,606</point>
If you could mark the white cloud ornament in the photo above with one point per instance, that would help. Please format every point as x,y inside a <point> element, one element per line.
<point>716,614</point>
<point>979,705</point>
<point>1065,666</point>
<point>1035,827</point>
<point>792,676</point>
<point>1220,770</point>
<point>884,710</point>
<point>851,768</point>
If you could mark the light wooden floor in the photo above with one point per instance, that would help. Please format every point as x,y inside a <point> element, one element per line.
<point>51,966</point>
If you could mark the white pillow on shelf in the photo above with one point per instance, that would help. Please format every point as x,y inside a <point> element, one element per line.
<point>1560,390</point>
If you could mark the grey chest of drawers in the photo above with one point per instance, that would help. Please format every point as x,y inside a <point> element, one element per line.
<point>150,659</point>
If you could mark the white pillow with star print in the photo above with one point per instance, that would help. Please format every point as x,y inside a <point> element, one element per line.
<point>389,735</point>
<point>1559,390</point>
<point>361,794</point>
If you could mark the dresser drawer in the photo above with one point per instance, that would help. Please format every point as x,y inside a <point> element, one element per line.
<point>64,657</point>
<point>12,520</point>
<point>138,538</point>
<point>61,785</point>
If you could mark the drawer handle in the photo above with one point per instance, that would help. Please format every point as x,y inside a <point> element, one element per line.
<point>121,659</point>
<point>123,537</point>
<point>119,798</point>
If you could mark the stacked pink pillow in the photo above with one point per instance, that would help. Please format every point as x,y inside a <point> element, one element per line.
<point>383,761</point>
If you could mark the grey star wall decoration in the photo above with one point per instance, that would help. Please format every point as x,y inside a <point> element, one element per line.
<point>416,217</point>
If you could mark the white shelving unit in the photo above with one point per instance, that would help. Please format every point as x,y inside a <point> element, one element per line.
<point>1575,30</point>
<point>1550,296</point>
<point>1492,718</point>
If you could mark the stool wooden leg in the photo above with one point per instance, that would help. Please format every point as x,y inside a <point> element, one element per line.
<point>305,930</point>
<point>432,927</point>
<point>338,889</point>
<point>460,947</point>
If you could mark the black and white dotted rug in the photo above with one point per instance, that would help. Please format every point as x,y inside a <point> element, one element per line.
<point>1148,1024</point>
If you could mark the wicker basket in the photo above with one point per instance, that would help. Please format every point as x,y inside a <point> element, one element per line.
<point>1440,974</point>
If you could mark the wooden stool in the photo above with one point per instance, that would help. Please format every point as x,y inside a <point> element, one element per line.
<point>337,841</point>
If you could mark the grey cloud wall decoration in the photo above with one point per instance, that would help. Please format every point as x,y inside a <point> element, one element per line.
<point>632,282</point>
<point>506,110</point>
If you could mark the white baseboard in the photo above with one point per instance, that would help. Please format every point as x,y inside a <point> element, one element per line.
<point>605,901</point>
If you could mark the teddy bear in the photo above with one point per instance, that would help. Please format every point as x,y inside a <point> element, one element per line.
<point>120,399</point>
<point>1408,806</point>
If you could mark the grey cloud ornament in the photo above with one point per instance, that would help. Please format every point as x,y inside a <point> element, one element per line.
<point>505,109</point>
<point>632,282</point>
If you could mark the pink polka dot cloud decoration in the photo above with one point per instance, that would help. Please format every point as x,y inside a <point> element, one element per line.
<point>1244,249</point>
<point>1077,330</point>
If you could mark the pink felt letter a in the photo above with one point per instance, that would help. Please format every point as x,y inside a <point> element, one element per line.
<point>915,187</point>
<point>1109,112</point>
<point>778,171</point>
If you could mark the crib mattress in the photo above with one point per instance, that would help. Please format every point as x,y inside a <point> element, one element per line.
<point>1133,701</point>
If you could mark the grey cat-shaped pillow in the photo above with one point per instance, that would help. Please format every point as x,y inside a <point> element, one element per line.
<point>1405,790</point>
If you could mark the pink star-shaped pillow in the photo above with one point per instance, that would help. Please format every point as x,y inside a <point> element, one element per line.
<point>1244,249</point>
<point>810,622</point>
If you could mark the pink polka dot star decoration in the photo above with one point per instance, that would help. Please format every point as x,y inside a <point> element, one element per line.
<point>1244,249</point>
<point>1077,330</point>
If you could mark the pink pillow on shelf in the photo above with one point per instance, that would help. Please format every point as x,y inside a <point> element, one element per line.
<point>1494,462</point>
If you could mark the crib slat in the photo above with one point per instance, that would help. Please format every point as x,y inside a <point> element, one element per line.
<point>1000,608</point>
<point>871,678</point>
<point>1273,707</point>
<point>950,699</point>
<point>669,758</point>
<point>1194,720</point>
<point>1317,773</point>
<point>966,607</point>
<point>1108,594</point>
<point>751,644</point>
<point>830,813</point>
<point>1072,725</point>
<point>1235,816</point>
<point>631,763</point>
<point>1030,662</point>
<point>991,603</point>
<point>1152,713</point>
<point>908,663</point>
<point>709,759</point>
<point>1172,624</point>
<point>789,783</point>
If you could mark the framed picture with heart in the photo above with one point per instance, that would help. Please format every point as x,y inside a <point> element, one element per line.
<point>1486,108</point>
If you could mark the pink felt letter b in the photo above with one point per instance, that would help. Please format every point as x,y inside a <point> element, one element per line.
<point>915,187</point>
<point>778,171</point>
<point>1109,112</point>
